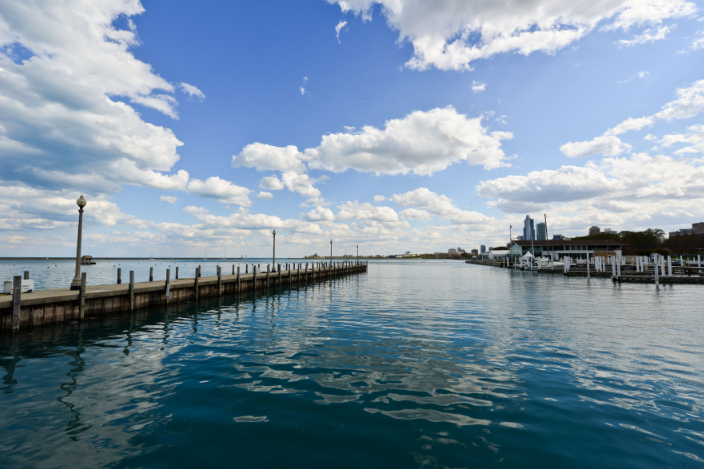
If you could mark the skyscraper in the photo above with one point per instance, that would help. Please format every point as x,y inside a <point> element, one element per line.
<point>482,249</point>
<point>528,229</point>
<point>542,231</point>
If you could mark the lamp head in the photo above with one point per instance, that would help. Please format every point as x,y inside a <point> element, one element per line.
<point>274,232</point>
<point>81,202</point>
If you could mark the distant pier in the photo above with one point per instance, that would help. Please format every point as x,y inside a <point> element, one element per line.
<point>43,307</point>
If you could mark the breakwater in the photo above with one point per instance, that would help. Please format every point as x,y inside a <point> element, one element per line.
<point>43,307</point>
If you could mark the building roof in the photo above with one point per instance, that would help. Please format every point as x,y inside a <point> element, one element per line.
<point>572,242</point>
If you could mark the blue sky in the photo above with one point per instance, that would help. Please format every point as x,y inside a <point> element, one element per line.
<point>420,126</point>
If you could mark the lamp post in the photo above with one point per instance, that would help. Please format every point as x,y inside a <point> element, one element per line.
<point>76,282</point>
<point>273,261</point>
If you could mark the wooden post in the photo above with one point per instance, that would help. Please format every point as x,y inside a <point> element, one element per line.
<point>82,298</point>
<point>168,285</point>
<point>254,277</point>
<point>16,300</point>
<point>278,282</point>
<point>219,281</point>
<point>195,284</point>
<point>306,279</point>
<point>233,269</point>
<point>119,275</point>
<point>151,274</point>
<point>26,274</point>
<point>246,268</point>
<point>239,286</point>
<point>131,290</point>
<point>267,276</point>
<point>176,277</point>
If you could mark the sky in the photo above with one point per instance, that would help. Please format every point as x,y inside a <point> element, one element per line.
<point>196,128</point>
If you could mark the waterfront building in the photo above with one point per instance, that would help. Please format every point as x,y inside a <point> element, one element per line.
<point>475,252</point>
<point>528,229</point>
<point>576,249</point>
<point>482,249</point>
<point>542,229</point>
<point>594,230</point>
<point>697,229</point>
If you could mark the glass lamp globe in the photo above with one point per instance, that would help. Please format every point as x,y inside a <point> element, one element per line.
<point>81,202</point>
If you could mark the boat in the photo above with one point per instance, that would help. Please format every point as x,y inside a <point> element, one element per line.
<point>87,260</point>
<point>152,258</point>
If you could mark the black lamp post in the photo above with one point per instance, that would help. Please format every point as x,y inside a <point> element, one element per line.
<point>76,282</point>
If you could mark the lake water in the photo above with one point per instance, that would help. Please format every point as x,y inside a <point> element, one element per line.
<point>427,364</point>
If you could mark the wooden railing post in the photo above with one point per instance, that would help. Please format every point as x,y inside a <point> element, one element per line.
<point>151,274</point>
<point>119,275</point>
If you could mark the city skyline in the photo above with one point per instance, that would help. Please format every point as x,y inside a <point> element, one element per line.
<point>191,127</point>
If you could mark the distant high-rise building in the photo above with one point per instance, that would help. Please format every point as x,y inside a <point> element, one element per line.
<point>698,228</point>
<point>519,238</point>
<point>475,252</point>
<point>482,249</point>
<point>594,230</point>
<point>608,230</point>
<point>528,229</point>
<point>557,237</point>
<point>542,231</point>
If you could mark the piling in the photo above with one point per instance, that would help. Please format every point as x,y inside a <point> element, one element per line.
<point>26,274</point>
<point>195,283</point>
<point>267,276</point>
<point>219,271</point>
<point>82,300</point>
<point>168,285</point>
<point>657,282</point>
<point>239,285</point>
<point>254,277</point>
<point>16,300</point>
<point>151,274</point>
<point>176,277</point>
<point>119,275</point>
<point>278,267</point>
<point>131,290</point>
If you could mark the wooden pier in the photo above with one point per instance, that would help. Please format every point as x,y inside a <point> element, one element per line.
<point>54,306</point>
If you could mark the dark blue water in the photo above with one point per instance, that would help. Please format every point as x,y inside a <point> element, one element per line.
<point>415,364</point>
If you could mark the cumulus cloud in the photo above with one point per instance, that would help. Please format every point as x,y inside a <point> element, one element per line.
<point>608,146</point>
<point>271,183</point>
<point>222,190</point>
<point>58,104</point>
<point>338,28</point>
<point>438,205</point>
<point>688,103</point>
<point>451,35</point>
<point>265,195</point>
<point>694,138</point>
<point>169,199</point>
<point>617,182</point>
<point>320,214</point>
<point>366,212</point>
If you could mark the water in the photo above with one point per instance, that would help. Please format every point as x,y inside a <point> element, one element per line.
<point>58,274</point>
<point>415,364</point>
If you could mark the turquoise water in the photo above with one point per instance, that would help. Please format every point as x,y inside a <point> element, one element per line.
<point>414,364</point>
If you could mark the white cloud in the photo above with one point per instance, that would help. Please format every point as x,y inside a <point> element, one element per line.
<point>698,43</point>
<point>271,183</point>
<point>316,201</point>
<point>169,199</point>
<point>79,61</point>
<point>379,198</point>
<point>607,146</point>
<point>476,86</point>
<point>643,74</point>
<point>266,157</point>
<point>302,90</point>
<point>191,91</point>
<point>338,28</point>
<point>451,35</point>
<point>438,205</point>
<point>320,214</point>
<point>366,212</point>
<point>689,103</point>
<point>694,137</point>
<point>627,184</point>
<point>265,195</point>
<point>415,214</point>
<point>648,36</point>
<point>420,143</point>
<point>222,190</point>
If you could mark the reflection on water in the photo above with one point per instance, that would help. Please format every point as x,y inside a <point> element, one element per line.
<point>427,364</point>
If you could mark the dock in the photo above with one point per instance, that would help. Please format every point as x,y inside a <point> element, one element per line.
<point>44,307</point>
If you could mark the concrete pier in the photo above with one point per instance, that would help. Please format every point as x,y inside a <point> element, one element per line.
<point>54,306</point>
